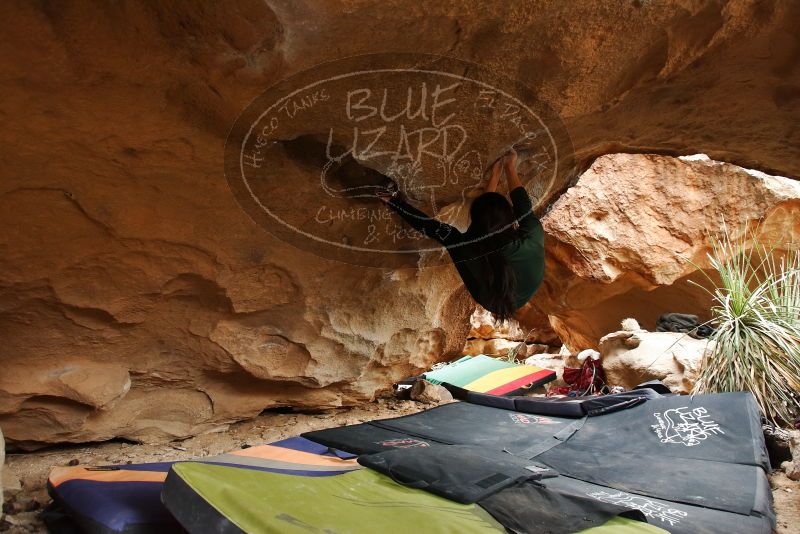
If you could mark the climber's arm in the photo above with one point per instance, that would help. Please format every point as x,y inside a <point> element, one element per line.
<point>497,170</point>
<point>437,230</point>
<point>510,163</point>
<point>520,200</point>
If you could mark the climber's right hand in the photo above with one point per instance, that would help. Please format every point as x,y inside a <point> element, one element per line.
<point>510,159</point>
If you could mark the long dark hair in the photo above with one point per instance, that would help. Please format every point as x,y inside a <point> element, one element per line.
<point>492,220</point>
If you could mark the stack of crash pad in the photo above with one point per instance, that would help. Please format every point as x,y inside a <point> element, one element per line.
<point>483,374</point>
<point>690,464</point>
<point>682,464</point>
<point>209,498</point>
<point>127,498</point>
<point>287,486</point>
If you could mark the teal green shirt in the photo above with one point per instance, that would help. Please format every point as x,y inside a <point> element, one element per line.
<point>525,253</point>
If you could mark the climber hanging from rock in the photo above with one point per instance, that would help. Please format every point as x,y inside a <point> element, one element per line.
<point>501,255</point>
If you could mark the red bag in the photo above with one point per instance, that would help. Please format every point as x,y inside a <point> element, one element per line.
<point>588,379</point>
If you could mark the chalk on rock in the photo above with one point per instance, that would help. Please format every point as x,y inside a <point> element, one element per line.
<point>588,353</point>
<point>630,325</point>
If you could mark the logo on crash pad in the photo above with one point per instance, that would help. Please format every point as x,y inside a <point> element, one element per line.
<point>306,158</point>
<point>403,443</point>
<point>527,419</point>
<point>684,425</point>
<point>666,513</point>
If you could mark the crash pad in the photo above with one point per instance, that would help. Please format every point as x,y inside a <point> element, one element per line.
<point>702,455</point>
<point>244,500</point>
<point>226,500</point>
<point>490,375</point>
<point>127,498</point>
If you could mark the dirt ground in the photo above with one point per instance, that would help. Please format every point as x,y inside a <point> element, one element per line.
<point>786,495</point>
<point>28,471</point>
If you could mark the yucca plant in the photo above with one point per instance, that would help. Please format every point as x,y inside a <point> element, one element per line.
<point>756,314</point>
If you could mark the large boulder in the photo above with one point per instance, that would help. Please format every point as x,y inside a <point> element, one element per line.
<point>631,358</point>
<point>631,238</point>
<point>427,393</point>
<point>137,299</point>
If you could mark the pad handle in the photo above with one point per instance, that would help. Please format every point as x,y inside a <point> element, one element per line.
<point>406,480</point>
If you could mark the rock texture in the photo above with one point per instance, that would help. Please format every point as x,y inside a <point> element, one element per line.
<point>778,444</point>
<point>792,467</point>
<point>484,326</point>
<point>137,300</point>
<point>501,347</point>
<point>427,393</point>
<point>178,358</point>
<point>488,336</point>
<point>630,358</point>
<point>631,235</point>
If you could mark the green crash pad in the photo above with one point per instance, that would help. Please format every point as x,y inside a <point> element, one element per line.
<point>360,501</point>
<point>623,525</point>
<point>206,498</point>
